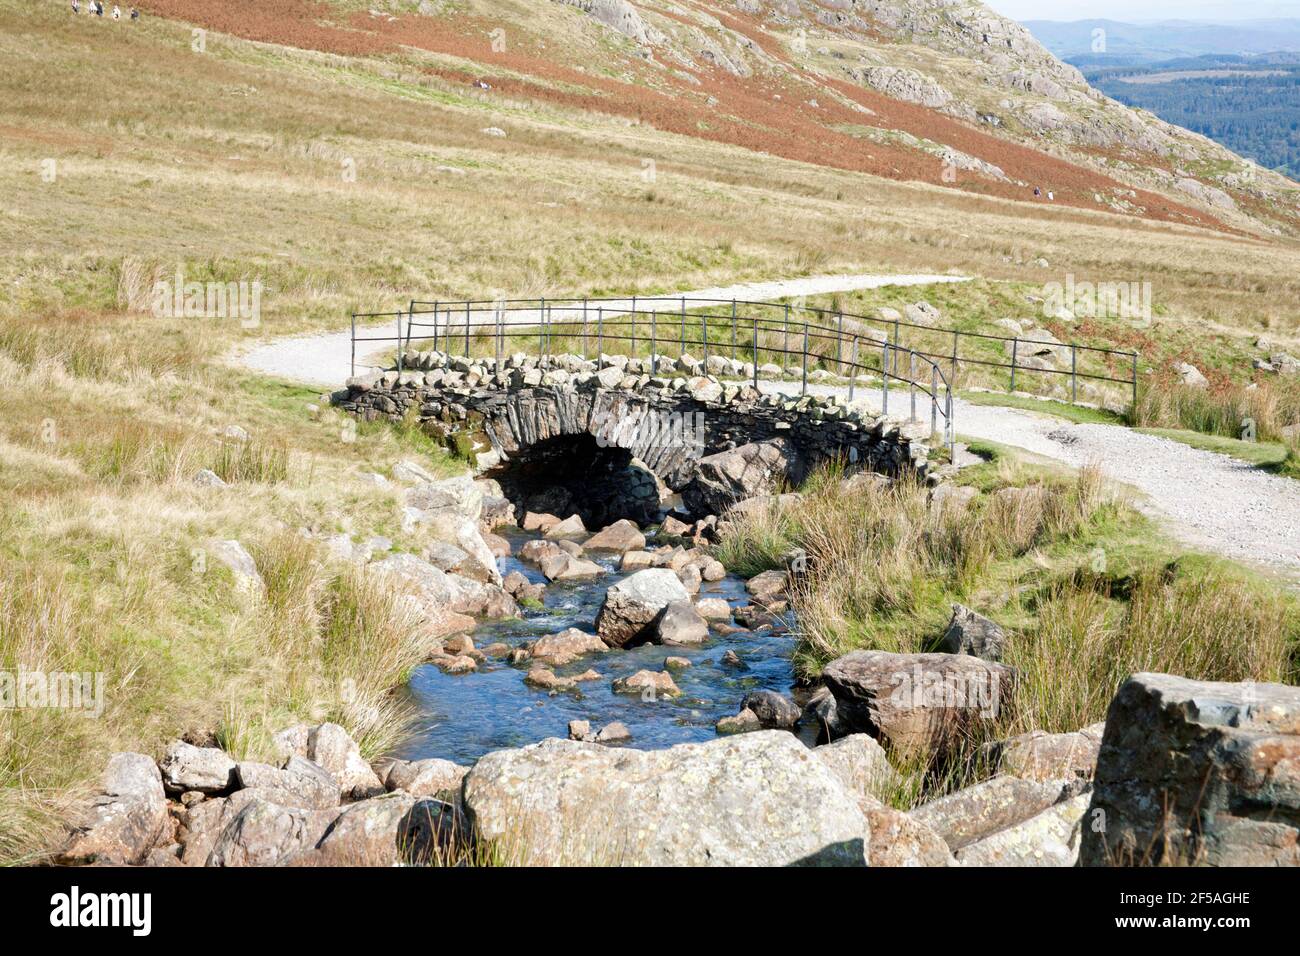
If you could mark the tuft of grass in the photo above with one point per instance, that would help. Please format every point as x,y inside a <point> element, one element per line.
<point>1200,620</point>
<point>885,564</point>
<point>1230,412</point>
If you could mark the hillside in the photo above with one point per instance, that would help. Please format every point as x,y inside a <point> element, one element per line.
<point>347,159</point>
<point>937,91</point>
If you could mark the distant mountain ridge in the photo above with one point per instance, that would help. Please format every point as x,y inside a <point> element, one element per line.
<point>1163,40</point>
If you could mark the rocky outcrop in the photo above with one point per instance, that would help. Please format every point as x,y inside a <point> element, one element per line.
<point>759,799</point>
<point>756,468</point>
<point>1197,772</point>
<point>904,84</point>
<point>126,820</point>
<point>618,15</point>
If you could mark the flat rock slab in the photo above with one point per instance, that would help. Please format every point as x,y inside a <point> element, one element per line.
<point>969,815</point>
<point>759,799</point>
<point>1050,838</point>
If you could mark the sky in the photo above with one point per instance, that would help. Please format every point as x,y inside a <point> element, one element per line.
<point>1132,11</point>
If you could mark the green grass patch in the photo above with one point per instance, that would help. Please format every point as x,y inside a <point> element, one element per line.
<point>1079,414</point>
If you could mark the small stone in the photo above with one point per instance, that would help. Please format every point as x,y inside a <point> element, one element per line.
<point>612,733</point>
<point>742,723</point>
<point>651,685</point>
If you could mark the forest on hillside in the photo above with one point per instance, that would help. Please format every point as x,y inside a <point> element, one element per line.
<point>1251,104</point>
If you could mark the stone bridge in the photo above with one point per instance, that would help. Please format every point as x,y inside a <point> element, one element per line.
<point>617,439</point>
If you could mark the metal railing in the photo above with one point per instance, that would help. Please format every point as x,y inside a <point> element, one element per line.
<point>755,333</point>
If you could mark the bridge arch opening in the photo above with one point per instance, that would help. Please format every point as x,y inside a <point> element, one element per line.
<point>577,474</point>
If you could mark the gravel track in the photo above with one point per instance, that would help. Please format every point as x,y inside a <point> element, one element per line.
<point>1206,500</point>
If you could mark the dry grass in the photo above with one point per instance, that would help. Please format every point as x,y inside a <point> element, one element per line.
<point>1206,623</point>
<point>1231,411</point>
<point>884,561</point>
<point>102,528</point>
<point>1086,590</point>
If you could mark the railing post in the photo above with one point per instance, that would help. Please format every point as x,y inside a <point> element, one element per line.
<point>911,383</point>
<point>884,379</point>
<point>500,313</point>
<point>600,332</point>
<point>785,343</point>
<point>756,352</point>
<point>1074,374</point>
<point>839,343</point>
<point>541,330</point>
<point>467,321</point>
<point>934,399</point>
<point>733,330</point>
<point>1015,351</point>
<point>948,425</point>
<point>683,325</point>
<point>399,343</point>
<point>1134,405</point>
<point>584,326</point>
<point>410,317</point>
<point>853,366</point>
<point>354,343</point>
<point>803,389</point>
<point>654,341</point>
<point>956,336</point>
<point>436,307</point>
<point>704,338</point>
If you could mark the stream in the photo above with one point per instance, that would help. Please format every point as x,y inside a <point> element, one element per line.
<point>462,717</point>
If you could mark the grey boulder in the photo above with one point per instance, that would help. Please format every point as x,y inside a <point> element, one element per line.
<point>759,799</point>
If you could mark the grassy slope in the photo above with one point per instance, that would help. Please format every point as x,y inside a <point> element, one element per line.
<point>1087,589</point>
<point>228,164</point>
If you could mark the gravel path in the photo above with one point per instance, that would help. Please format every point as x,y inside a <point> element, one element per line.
<point>1208,501</point>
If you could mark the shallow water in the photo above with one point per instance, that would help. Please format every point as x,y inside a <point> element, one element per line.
<point>463,717</point>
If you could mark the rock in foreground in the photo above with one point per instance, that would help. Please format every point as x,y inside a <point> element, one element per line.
<point>1197,772</point>
<point>759,799</point>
